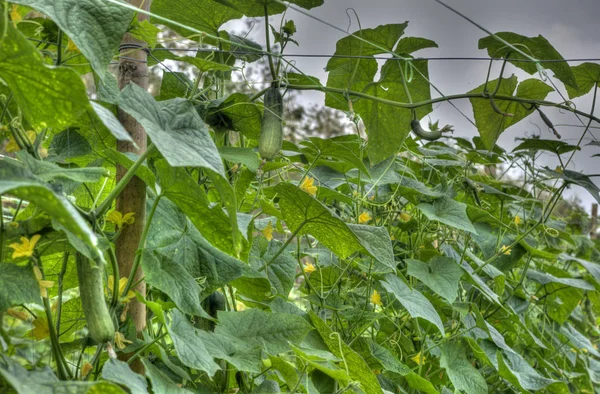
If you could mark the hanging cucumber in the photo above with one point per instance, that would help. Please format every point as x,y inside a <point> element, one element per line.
<point>91,291</point>
<point>271,133</point>
<point>433,135</point>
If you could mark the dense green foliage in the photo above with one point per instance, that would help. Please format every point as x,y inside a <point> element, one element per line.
<point>395,264</point>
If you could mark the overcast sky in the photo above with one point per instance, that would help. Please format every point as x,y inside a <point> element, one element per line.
<point>571,26</point>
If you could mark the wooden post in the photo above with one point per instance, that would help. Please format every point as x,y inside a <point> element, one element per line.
<point>133,68</point>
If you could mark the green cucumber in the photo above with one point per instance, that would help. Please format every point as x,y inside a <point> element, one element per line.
<point>91,291</point>
<point>431,135</point>
<point>271,133</point>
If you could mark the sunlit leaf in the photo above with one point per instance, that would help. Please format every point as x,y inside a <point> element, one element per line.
<point>95,26</point>
<point>48,96</point>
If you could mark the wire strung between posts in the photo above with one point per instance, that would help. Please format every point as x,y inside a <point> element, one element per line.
<point>439,58</point>
<point>314,55</point>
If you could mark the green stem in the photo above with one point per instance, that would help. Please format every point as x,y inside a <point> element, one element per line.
<point>141,247</point>
<point>285,245</point>
<point>5,109</point>
<point>61,276</point>
<point>61,364</point>
<point>146,346</point>
<point>310,167</point>
<point>268,41</point>
<point>196,85</point>
<point>116,277</point>
<point>260,93</point>
<point>59,48</point>
<point>95,360</point>
<point>106,204</point>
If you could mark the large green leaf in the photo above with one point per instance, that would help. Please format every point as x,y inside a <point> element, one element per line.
<point>21,184</point>
<point>387,125</point>
<point>281,273</point>
<point>544,278</point>
<point>441,275</point>
<point>66,145</point>
<point>306,214</point>
<point>95,26</point>
<point>174,127</point>
<point>448,211</point>
<point>43,381</point>
<point>415,303</point>
<point>476,280</point>
<point>517,371</point>
<point>174,280</point>
<point>413,44</point>
<point>490,123</point>
<point>535,144</point>
<point>17,286</point>
<point>173,236</point>
<point>301,211</point>
<point>462,374</point>
<point>236,112</point>
<point>377,242</point>
<point>179,187</point>
<point>47,96</point>
<point>119,372</point>
<point>189,347</point>
<point>587,76</point>
<point>357,367</point>
<point>183,138</point>
<point>203,15</point>
<point>174,84</point>
<point>591,267</point>
<point>271,331</point>
<point>47,171</point>
<point>328,364</point>
<point>256,7</point>
<point>357,73</point>
<point>111,122</point>
<point>335,154</point>
<point>161,383</point>
<point>245,156</point>
<point>577,178</point>
<point>243,356</point>
<point>578,341</point>
<point>538,47</point>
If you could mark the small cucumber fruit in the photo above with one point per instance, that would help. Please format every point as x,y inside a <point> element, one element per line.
<point>91,291</point>
<point>271,133</point>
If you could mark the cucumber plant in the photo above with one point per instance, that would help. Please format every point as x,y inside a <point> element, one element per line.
<point>394,262</point>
